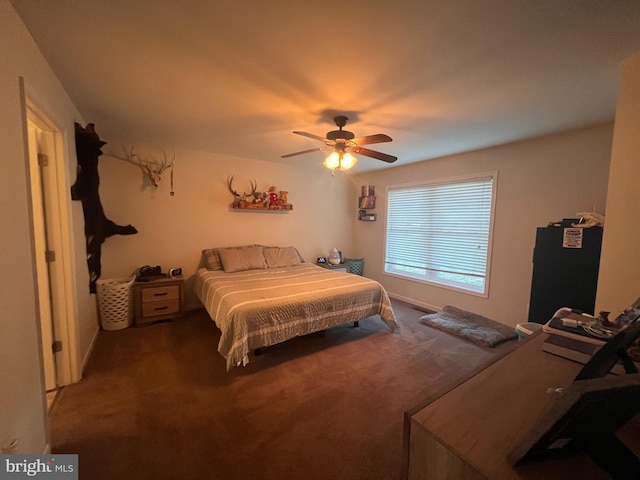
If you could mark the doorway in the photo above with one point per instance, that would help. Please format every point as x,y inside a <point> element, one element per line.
<point>51,250</point>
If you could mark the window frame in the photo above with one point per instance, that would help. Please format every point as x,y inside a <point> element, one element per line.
<point>459,179</point>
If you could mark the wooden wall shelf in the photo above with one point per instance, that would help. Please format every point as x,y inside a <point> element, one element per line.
<point>258,207</point>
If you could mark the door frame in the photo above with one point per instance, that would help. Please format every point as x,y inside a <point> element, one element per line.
<point>39,212</point>
<point>64,312</point>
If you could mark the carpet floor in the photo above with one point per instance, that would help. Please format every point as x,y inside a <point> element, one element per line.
<point>157,403</point>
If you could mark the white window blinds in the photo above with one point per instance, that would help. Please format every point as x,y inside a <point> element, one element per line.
<point>440,232</point>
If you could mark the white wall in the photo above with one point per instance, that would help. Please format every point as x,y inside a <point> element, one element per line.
<point>173,230</point>
<point>539,181</point>
<point>619,280</point>
<point>22,408</point>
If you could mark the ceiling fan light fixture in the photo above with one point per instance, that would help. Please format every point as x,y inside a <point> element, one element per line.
<point>347,161</point>
<point>341,160</point>
<point>332,161</point>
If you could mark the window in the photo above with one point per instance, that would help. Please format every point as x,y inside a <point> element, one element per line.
<point>440,232</point>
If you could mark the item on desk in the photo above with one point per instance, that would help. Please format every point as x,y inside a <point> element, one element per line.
<point>587,328</point>
<point>592,327</point>
<point>613,354</point>
<point>598,330</point>
<point>628,316</point>
<point>570,322</point>
<point>575,350</point>
<point>556,390</point>
<point>604,319</point>
<point>570,348</point>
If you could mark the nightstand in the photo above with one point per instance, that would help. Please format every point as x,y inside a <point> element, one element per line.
<point>341,267</point>
<point>161,298</point>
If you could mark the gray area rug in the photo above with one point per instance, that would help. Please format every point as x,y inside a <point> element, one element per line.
<point>470,326</point>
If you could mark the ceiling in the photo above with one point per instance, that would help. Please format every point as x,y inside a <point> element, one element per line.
<point>236,77</point>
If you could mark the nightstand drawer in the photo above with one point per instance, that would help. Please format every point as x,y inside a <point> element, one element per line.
<point>163,307</point>
<point>154,294</point>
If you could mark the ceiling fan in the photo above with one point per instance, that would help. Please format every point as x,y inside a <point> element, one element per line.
<point>343,144</point>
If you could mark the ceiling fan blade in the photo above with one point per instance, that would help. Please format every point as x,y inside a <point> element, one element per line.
<point>373,154</point>
<point>311,135</point>
<point>369,139</point>
<point>303,152</point>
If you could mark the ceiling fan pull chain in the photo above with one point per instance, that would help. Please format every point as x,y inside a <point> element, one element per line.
<point>172,193</point>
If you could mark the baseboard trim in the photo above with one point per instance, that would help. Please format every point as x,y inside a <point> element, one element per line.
<point>89,351</point>
<point>416,303</point>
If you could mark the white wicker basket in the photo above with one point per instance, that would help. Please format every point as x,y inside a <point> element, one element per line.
<point>115,302</point>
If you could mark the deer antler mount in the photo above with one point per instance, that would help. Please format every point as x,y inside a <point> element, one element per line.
<point>237,197</point>
<point>152,167</point>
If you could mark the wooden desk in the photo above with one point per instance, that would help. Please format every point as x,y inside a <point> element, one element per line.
<point>468,432</point>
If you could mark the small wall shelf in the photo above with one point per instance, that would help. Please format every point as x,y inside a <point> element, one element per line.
<point>367,202</point>
<point>365,216</point>
<point>258,207</point>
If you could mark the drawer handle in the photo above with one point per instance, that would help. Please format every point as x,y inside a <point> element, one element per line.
<point>160,294</point>
<point>160,308</point>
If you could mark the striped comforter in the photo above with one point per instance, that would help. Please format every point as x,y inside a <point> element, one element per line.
<point>257,308</point>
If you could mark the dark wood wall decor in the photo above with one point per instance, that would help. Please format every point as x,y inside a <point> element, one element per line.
<point>97,227</point>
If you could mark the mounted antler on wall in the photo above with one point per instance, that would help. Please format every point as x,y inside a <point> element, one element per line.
<point>97,227</point>
<point>152,167</point>
<point>244,195</point>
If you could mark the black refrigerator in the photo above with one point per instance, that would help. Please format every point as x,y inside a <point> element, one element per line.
<point>565,270</point>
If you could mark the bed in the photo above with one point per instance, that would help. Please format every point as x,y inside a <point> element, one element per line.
<point>259,296</point>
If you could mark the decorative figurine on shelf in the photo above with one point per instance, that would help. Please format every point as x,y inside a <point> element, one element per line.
<point>334,257</point>
<point>273,196</point>
<point>255,200</point>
